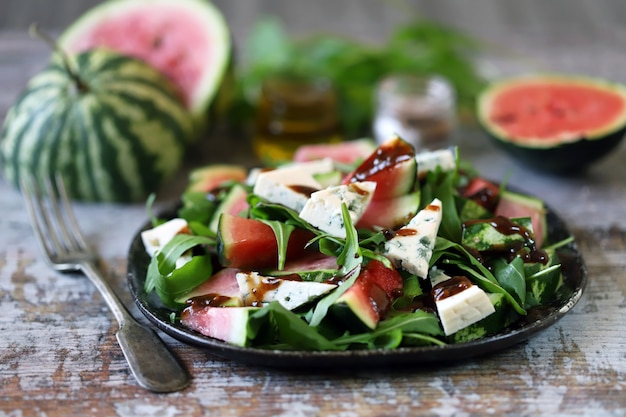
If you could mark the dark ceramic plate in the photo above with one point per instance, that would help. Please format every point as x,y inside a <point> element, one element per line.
<point>574,273</point>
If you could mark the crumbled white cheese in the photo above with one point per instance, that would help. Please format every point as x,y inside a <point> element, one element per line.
<point>323,209</point>
<point>257,289</point>
<point>412,246</point>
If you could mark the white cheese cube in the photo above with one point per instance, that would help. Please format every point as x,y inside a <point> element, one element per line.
<point>154,239</point>
<point>464,308</point>
<point>429,161</point>
<point>412,246</point>
<point>257,289</point>
<point>323,209</point>
<point>291,185</point>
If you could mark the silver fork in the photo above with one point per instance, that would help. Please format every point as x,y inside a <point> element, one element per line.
<point>57,232</point>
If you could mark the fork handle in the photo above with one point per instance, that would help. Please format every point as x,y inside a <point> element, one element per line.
<point>153,365</point>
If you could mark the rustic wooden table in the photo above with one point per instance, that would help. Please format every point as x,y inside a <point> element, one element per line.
<point>59,356</point>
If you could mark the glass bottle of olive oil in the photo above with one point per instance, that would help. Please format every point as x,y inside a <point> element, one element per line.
<point>294,110</point>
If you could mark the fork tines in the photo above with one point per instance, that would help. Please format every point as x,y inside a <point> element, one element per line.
<point>53,219</point>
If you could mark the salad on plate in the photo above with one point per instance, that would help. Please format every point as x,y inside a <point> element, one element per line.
<point>352,247</point>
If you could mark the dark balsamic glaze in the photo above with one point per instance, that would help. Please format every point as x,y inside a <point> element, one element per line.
<point>207,300</point>
<point>450,287</point>
<point>268,284</point>
<point>507,227</point>
<point>383,159</point>
<point>303,189</point>
<point>486,197</point>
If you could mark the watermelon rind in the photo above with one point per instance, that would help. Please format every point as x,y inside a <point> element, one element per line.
<point>200,15</point>
<point>117,139</point>
<point>569,152</point>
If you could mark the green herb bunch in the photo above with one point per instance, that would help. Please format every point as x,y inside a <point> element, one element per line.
<point>420,47</point>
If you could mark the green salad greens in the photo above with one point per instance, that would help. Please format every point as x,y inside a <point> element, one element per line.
<point>375,301</point>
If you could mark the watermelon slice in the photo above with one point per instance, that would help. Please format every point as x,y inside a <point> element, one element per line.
<point>229,324</point>
<point>390,213</point>
<point>392,166</point>
<point>514,205</point>
<point>187,40</point>
<point>211,177</point>
<point>223,284</point>
<point>251,244</point>
<point>368,300</point>
<point>348,152</point>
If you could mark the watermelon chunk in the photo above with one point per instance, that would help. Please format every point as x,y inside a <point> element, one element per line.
<point>210,178</point>
<point>392,166</point>
<point>515,205</point>
<point>229,324</point>
<point>367,301</point>
<point>390,213</point>
<point>222,284</point>
<point>348,152</point>
<point>251,244</point>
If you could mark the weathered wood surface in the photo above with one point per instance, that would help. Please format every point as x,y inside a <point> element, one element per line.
<point>59,356</point>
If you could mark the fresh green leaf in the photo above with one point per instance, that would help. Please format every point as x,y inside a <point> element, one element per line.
<point>294,332</point>
<point>169,281</point>
<point>349,261</point>
<point>414,322</point>
<point>282,231</point>
<point>184,279</point>
<point>196,207</point>
<point>510,276</point>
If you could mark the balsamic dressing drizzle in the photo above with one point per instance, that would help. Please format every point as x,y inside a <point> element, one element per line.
<point>507,227</point>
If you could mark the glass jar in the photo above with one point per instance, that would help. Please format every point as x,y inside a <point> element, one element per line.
<point>421,110</point>
<point>294,110</point>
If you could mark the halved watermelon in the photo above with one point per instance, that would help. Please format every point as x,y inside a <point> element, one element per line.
<point>187,40</point>
<point>392,166</point>
<point>554,122</point>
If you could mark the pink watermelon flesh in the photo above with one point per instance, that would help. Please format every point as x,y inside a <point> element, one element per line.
<point>212,177</point>
<point>229,324</point>
<point>349,152</point>
<point>369,298</point>
<point>542,110</point>
<point>390,213</point>
<point>170,35</point>
<point>224,283</point>
<point>513,205</point>
<point>392,166</point>
<point>312,262</point>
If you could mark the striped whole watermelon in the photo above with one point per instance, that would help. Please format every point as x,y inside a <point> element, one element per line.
<point>187,40</point>
<point>112,126</point>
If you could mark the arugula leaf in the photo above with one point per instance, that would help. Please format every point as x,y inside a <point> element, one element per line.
<point>511,277</point>
<point>196,207</point>
<point>282,231</point>
<point>451,253</point>
<point>184,279</point>
<point>420,322</point>
<point>292,331</point>
<point>169,281</point>
<point>349,261</point>
<point>149,203</point>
